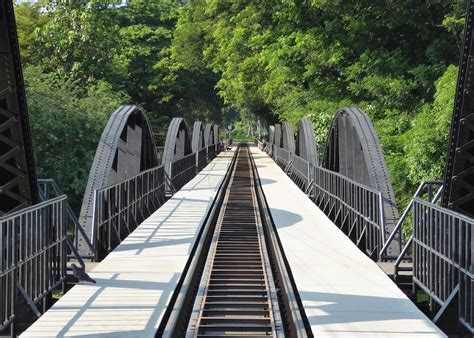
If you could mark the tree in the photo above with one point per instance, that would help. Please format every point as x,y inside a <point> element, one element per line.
<point>28,20</point>
<point>66,125</point>
<point>79,41</point>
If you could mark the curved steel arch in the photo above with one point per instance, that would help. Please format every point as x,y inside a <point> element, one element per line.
<point>288,137</point>
<point>271,134</point>
<point>209,138</point>
<point>126,148</point>
<point>306,144</point>
<point>277,139</point>
<point>353,150</point>
<point>18,185</point>
<point>178,142</point>
<point>198,141</point>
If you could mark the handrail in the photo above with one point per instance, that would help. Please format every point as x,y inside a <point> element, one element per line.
<point>443,238</point>
<point>69,212</point>
<point>409,207</point>
<point>34,207</point>
<point>44,225</point>
<point>121,207</point>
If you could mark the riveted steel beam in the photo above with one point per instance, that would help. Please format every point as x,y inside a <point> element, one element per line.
<point>459,174</point>
<point>18,186</point>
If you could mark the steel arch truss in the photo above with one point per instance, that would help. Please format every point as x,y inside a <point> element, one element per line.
<point>18,186</point>
<point>211,140</point>
<point>126,148</point>
<point>353,150</point>
<point>277,137</point>
<point>198,145</point>
<point>178,159</point>
<point>178,142</point>
<point>288,137</point>
<point>459,175</point>
<point>306,145</point>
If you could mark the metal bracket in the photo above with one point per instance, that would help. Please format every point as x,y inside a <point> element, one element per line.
<point>31,304</point>
<point>448,301</point>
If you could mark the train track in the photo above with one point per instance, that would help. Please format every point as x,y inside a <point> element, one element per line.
<point>237,294</point>
<point>236,283</point>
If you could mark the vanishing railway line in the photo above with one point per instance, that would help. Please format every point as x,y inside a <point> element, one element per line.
<point>237,288</point>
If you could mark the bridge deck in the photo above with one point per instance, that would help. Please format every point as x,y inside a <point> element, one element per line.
<point>136,280</point>
<point>344,293</point>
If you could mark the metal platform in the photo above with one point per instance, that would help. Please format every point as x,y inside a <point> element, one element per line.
<point>344,293</point>
<point>136,281</point>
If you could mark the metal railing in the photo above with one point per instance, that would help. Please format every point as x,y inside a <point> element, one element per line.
<point>120,208</point>
<point>429,190</point>
<point>201,159</point>
<point>300,173</point>
<point>355,208</point>
<point>282,157</point>
<point>211,152</point>
<point>48,188</point>
<point>33,249</point>
<point>182,171</point>
<point>269,149</point>
<point>443,243</point>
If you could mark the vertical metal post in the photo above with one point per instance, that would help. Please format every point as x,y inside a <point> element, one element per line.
<point>95,226</point>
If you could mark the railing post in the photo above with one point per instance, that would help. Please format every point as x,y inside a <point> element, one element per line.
<point>95,226</point>
<point>382,221</point>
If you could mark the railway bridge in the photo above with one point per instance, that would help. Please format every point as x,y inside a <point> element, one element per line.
<point>206,237</point>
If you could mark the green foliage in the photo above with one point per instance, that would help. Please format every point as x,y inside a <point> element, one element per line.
<point>28,20</point>
<point>66,125</point>
<point>78,41</point>
<point>427,141</point>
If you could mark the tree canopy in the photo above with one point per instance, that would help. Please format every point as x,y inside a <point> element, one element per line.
<point>223,60</point>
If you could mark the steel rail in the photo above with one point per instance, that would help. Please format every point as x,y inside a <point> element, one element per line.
<point>235,283</point>
<point>237,294</point>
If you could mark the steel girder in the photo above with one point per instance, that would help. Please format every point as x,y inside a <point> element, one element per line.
<point>306,145</point>
<point>459,175</point>
<point>126,148</point>
<point>18,186</point>
<point>353,149</point>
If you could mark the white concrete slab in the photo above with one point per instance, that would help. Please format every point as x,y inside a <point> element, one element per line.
<point>344,293</point>
<point>135,281</point>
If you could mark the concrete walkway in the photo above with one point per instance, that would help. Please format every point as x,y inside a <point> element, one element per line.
<point>136,280</point>
<point>344,293</point>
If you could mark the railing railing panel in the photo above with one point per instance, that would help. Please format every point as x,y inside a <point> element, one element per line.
<point>201,159</point>
<point>269,149</point>
<point>300,172</point>
<point>354,208</point>
<point>443,256</point>
<point>211,152</point>
<point>120,208</point>
<point>33,244</point>
<point>282,157</point>
<point>182,171</point>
